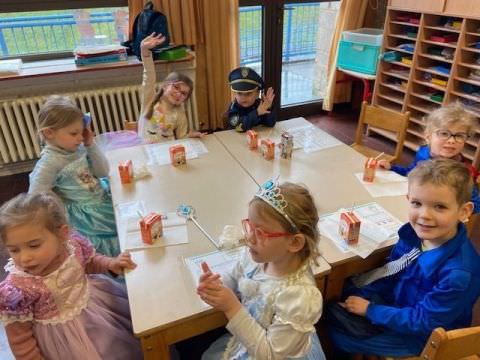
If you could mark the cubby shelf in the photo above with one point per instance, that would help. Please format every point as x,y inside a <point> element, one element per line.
<point>411,90</point>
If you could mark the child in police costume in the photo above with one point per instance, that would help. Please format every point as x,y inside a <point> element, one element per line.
<point>248,109</point>
<point>432,279</point>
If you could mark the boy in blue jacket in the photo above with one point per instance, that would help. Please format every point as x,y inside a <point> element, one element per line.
<point>432,279</point>
<point>248,110</point>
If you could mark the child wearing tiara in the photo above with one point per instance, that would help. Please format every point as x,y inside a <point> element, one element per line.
<point>71,165</point>
<point>248,110</point>
<point>52,303</point>
<point>270,298</point>
<point>447,130</point>
<point>162,115</point>
<point>432,279</point>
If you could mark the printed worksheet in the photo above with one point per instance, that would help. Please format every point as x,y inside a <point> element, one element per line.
<point>377,226</point>
<point>220,261</point>
<point>158,154</point>
<point>307,137</point>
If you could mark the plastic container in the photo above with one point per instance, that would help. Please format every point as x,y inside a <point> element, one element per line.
<point>358,57</point>
<point>364,35</point>
<point>170,54</point>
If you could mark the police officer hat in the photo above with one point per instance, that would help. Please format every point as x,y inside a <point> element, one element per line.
<point>244,79</point>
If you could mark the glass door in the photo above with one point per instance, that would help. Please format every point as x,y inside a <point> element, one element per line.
<point>293,37</point>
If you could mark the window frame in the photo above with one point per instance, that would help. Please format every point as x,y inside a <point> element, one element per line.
<point>49,5</point>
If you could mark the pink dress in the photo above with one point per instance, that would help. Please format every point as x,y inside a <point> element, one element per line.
<point>69,313</point>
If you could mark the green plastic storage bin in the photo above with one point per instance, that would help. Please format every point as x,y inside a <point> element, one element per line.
<point>358,57</point>
<point>170,54</point>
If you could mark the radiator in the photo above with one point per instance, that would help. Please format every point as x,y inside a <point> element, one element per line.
<point>108,107</point>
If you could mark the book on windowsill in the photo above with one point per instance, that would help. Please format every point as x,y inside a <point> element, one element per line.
<point>10,67</point>
<point>99,60</point>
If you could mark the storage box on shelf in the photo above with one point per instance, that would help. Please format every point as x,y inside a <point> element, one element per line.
<point>436,61</point>
<point>359,50</point>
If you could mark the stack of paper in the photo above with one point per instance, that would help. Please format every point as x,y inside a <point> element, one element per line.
<point>377,226</point>
<point>97,55</point>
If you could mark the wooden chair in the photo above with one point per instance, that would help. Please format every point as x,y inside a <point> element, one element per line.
<point>384,119</point>
<point>460,344</point>
<point>130,125</point>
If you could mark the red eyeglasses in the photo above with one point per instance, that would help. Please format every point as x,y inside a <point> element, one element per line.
<point>260,234</point>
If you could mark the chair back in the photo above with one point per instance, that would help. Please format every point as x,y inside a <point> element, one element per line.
<point>384,119</point>
<point>454,344</point>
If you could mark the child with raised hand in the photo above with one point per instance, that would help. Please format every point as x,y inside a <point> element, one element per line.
<point>447,130</point>
<point>270,298</point>
<point>432,279</point>
<point>72,166</point>
<point>53,303</point>
<point>162,114</point>
<point>248,109</point>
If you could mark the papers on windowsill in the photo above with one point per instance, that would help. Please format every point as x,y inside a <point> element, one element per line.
<point>386,183</point>
<point>377,226</point>
<point>307,137</point>
<point>158,154</point>
<point>10,67</point>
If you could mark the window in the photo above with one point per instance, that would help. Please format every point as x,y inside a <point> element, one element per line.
<point>53,28</point>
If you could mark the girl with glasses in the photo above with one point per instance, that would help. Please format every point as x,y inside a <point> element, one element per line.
<point>163,115</point>
<point>270,298</point>
<point>447,130</point>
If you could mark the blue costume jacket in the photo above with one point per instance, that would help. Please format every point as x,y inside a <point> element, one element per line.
<point>242,119</point>
<point>438,289</point>
<point>423,154</point>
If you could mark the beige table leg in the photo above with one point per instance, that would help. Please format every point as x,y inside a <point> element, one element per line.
<point>155,347</point>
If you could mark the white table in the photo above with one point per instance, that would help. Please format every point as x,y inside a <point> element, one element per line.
<point>165,308</point>
<point>329,174</point>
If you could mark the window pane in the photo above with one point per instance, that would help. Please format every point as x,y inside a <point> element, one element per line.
<point>40,32</point>
<point>251,37</point>
<point>307,33</point>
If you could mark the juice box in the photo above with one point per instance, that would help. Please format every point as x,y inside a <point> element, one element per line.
<point>252,139</point>
<point>349,227</point>
<point>177,155</point>
<point>268,149</point>
<point>369,170</point>
<point>151,228</point>
<point>125,169</point>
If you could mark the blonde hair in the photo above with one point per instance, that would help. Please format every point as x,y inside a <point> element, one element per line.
<point>447,172</point>
<point>40,208</point>
<point>302,211</point>
<point>445,116</point>
<point>57,112</point>
<point>171,78</point>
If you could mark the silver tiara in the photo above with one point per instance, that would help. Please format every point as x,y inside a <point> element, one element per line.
<point>272,195</point>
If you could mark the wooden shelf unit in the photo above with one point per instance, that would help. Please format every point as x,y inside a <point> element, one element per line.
<point>439,73</point>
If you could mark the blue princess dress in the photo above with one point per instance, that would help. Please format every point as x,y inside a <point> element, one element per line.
<point>74,177</point>
<point>277,318</point>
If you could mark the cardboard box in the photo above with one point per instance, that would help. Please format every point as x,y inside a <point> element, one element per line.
<point>268,149</point>
<point>151,228</point>
<point>252,139</point>
<point>177,155</point>
<point>349,227</point>
<point>125,169</point>
<point>369,170</point>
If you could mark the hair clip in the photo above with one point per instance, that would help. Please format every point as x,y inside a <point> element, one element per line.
<point>272,195</point>
<point>87,119</point>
